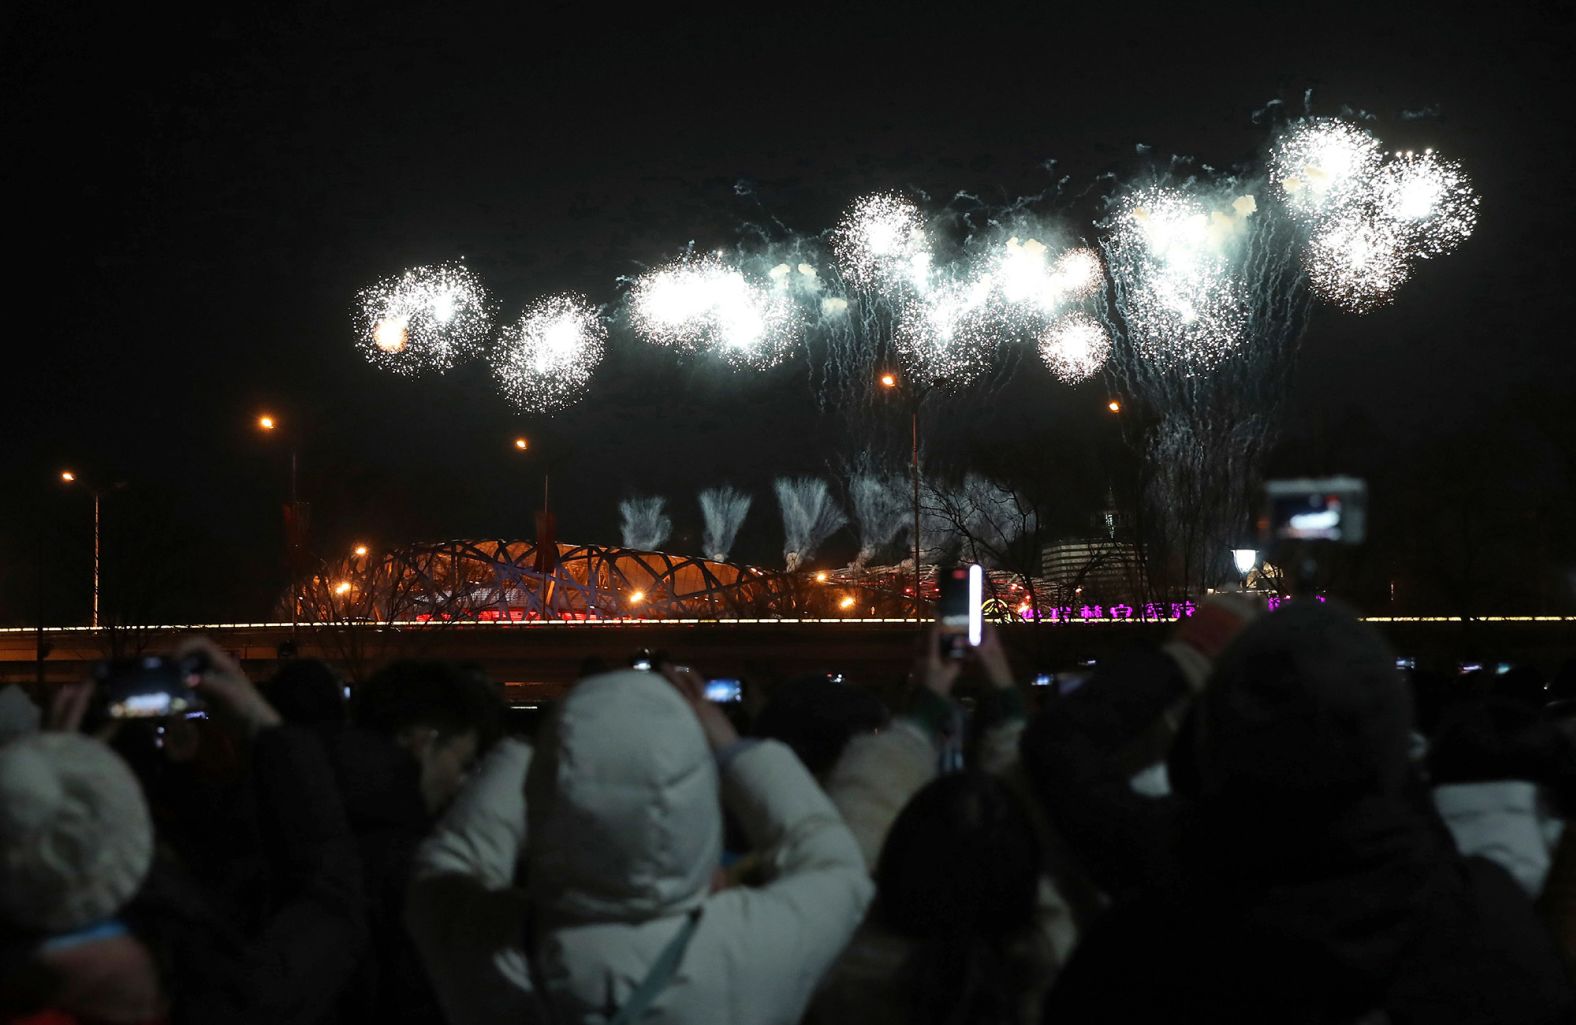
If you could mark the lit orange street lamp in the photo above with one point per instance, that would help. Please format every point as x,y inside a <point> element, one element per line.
<point>70,477</point>
<point>522,444</point>
<point>889,381</point>
<point>294,529</point>
<point>1114,406</point>
<point>361,551</point>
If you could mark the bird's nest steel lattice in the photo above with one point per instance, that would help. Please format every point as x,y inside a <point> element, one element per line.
<point>499,580</point>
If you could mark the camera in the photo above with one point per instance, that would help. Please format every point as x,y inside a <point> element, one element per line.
<point>959,609</point>
<point>1308,509</point>
<point>148,687</point>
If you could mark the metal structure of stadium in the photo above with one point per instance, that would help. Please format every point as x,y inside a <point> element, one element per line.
<point>501,580</point>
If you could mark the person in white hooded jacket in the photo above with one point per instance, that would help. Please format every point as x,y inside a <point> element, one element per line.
<point>616,821</point>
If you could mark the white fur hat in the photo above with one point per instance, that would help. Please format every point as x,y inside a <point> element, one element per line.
<point>75,836</point>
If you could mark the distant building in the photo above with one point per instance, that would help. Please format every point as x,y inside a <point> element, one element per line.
<point>1104,567</point>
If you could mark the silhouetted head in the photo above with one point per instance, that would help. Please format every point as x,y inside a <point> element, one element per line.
<point>961,858</point>
<point>443,713</point>
<point>306,691</point>
<point>817,717</point>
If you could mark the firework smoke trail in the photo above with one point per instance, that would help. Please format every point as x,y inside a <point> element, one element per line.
<point>705,303</point>
<point>427,318</point>
<point>882,255</point>
<point>644,525</point>
<point>809,517</point>
<point>881,508</point>
<point>724,510</point>
<point>1206,304</point>
<point>545,360</point>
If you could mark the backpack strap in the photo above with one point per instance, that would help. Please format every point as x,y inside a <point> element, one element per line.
<point>657,976</point>
<point>660,973</point>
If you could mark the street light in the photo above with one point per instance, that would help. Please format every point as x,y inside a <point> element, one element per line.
<point>889,381</point>
<point>295,523</point>
<point>1114,406</point>
<point>361,551</point>
<point>69,477</point>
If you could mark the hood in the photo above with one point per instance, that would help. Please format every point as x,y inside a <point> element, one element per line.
<point>1305,710</point>
<point>622,803</point>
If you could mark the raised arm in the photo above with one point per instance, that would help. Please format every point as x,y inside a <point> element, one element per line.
<point>463,909</point>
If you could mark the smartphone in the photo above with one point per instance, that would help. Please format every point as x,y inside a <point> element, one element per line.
<point>149,687</point>
<point>1044,679</point>
<point>724,690</point>
<point>1406,663</point>
<point>959,609</point>
<point>1326,509</point>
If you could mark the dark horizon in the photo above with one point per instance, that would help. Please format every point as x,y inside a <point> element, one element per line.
<point>199,198</point>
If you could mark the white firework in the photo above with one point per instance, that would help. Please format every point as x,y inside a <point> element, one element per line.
<point>1030,278</point>
<point>1171,257</point>
<point>427,318</point>
<point>882,242</point>
<point>544,361</point>
<point>1357,261</point>
<point>1323,166</point>
<point>1430,199</point>
<point>1075,347</point>
<point>950,333</point>
<point>701,303</point>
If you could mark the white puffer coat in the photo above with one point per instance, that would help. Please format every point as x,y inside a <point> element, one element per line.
<point>624,834</point>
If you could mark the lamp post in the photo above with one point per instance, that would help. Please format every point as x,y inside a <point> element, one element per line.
<point>889,380</point>
<point>295,527</point>
<point>546,560</point>
<point>70,477</point>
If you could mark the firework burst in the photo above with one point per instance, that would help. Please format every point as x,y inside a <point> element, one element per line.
<point>1430,199</point>
<point>1357,261</point>
<point>703,304</point>
<point>882,242</point>
<point>1324,166</point>
<point>427,318</point>
<point>1172,256</point>
<point>951,332</point>
<point>545,360</point>
<point>1075,347</point>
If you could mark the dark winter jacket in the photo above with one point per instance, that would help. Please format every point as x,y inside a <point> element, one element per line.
<point>1299,872</point>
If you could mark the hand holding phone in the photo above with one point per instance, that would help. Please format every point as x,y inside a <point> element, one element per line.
<point>959,611</point>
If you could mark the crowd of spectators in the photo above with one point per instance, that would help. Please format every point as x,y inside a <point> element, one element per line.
<point>1265,820</point>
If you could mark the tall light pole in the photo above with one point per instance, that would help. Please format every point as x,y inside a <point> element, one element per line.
<point>889,381</point>
<point>69,477</point>
<point>294,525</point>
<point>546,561</point>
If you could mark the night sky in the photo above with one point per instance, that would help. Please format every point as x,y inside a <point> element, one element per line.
<point>194,198</point>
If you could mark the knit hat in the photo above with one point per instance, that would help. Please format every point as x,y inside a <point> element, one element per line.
<point>76,840</point>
